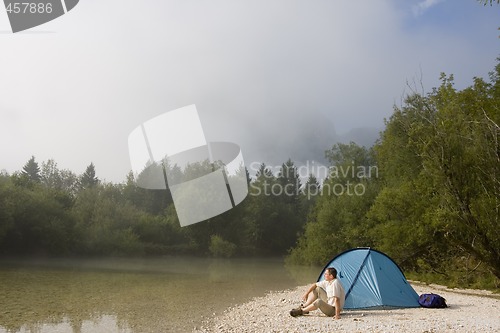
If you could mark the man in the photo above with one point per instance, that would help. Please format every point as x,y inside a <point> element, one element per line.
<point>327,295</point>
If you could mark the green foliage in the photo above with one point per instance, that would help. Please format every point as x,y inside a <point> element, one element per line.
<point>337,222</point>
<point>60,180</point>
<point>63,214</point>
<point>290,184</point>
<point>427,194</point>
<point>273,215</point>
<point>311,187</point>
<point>107,223</point>
<point>89,179</point>
<point>310,192</point>
<point>439,160</point>
<point>31,170</point>
<point>485,2</point>
<point>34,220</point>
<point>220,247</point>
<point>434,206</point>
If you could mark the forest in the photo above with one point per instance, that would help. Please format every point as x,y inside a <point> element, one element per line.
<point>427,193</point>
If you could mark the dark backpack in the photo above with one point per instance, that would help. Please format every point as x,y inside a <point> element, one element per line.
<point>432,301</point>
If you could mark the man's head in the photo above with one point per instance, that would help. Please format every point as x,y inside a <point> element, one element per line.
<point>330,273</point>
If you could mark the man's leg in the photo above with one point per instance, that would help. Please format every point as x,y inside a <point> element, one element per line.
<point>308,305</point>
<point>322,305</point>
<point>326,308</point>
<point>311,297</point>
<point>313,304</point>
<point>315,299</point>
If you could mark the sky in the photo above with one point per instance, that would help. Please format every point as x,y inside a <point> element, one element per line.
<point>281,78</point>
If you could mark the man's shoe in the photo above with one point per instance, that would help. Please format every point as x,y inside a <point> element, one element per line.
<point>296,312</point>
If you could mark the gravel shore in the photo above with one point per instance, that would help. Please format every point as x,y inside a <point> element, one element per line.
<point>468,311</point>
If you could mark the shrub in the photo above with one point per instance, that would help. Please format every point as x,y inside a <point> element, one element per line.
<point>220,247</point>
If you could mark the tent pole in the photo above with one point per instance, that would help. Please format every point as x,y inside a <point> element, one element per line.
<point>357,274</point>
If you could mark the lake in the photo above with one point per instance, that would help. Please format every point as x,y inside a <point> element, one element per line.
<point>171,294</point>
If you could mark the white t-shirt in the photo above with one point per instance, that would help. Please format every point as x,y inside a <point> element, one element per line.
<point>333,289</point>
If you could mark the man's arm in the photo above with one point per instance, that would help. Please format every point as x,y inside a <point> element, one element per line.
<point>311,288</point>
<point>337,307</point>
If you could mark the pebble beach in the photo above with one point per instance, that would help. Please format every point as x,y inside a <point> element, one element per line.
<point>468,311</point>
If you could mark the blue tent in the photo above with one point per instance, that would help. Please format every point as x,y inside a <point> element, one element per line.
<point>372,279</point>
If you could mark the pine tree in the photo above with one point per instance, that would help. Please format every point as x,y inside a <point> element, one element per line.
<point>289,180</point>
<point>31,170</point>
<point>88,178</point>
<point>312,186</point>
<point>263,173</point>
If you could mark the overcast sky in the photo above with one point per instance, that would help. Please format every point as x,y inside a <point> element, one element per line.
<point>281,78</point>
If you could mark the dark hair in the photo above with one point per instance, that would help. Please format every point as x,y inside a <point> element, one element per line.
<point>332,271</point>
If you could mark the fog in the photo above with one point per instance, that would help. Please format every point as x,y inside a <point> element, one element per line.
<point>282,79</point>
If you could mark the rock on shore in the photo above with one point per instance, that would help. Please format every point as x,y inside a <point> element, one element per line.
<point>468,311</point>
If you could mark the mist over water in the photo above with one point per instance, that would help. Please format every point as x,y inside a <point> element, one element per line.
<point>173,294</point>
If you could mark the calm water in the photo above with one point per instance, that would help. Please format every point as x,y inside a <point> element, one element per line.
<point>133,295</point>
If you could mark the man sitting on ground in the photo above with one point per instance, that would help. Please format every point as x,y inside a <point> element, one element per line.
<point>327,295</point>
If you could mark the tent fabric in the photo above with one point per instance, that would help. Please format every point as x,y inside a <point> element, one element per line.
<point>372,279</point>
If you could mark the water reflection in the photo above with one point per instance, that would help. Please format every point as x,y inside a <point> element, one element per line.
<point>105,323</point>
<point>131,295</point>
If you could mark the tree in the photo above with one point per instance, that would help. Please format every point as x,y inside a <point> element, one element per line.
<point>311,187</point>
<point>310,192</point>
<point>350,161</point>
<point>263,173</point>
<point>50,175</point>
<point>485,2</point>
<point>338,219</point>
<point>56,179</point>
<point>439,159</point>
<point>106,223</point>
<point>7,188</point>
<point>34,222</point>
<point>31,170</point>
<point>88,179</point>
<point>290,184</point>
<point>220,247</point>
<point>463,159</point>
<point>401,215</point>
